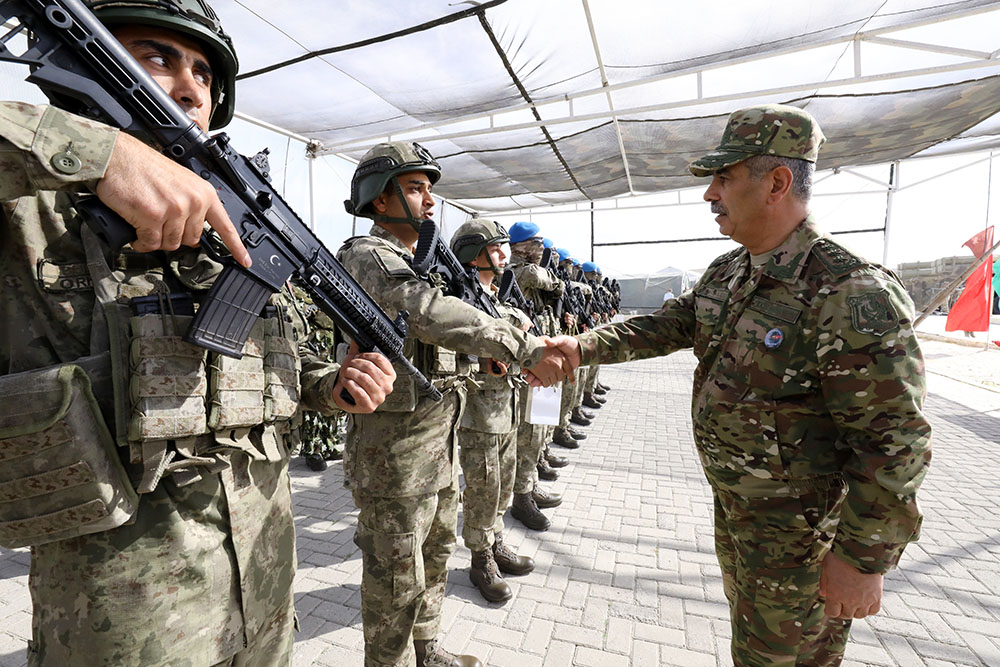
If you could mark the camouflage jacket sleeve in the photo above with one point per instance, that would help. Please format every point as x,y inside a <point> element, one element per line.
<point>434,318</point>
<point>45,148</point>
<point>872,376</point>
<point>532,276</point>
<point>667,330</point>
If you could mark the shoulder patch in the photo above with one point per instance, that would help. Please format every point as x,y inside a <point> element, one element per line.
<point>393,265</point>
<point>837,259</point>
<point>873,313</point>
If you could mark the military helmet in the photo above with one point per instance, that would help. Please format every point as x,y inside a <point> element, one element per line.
<point>470,239</point>
<point>194,19</point>
<point>381,163</point>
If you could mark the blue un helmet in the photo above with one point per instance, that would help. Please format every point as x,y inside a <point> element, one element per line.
<point>589,267</point>
<point>563,254</point>
<point>547,243</point>
<point>523,231</point>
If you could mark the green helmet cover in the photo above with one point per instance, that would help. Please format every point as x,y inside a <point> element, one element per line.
<point>381,163</point>
<point>470,239</point>
<point>194,19</point>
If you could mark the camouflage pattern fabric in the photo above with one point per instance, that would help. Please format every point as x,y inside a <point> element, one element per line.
<point>531,439</point>
<point>769,129</point>
<point>487,439</point>
<point>405,543</point>
<point>403,457</point>
<point>787,378</point>
<point>320,433</point>
<point>208,564</point>
<point>762,560</point>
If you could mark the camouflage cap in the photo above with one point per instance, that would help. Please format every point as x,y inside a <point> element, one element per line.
<point>769,129</point>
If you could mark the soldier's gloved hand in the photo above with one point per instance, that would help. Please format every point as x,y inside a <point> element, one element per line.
<point>848,592</point>
<point>166,203</point>
<point>367,377</point>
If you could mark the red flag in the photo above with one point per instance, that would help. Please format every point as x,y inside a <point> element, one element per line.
<point>972,310</point>
<point>981,242</point>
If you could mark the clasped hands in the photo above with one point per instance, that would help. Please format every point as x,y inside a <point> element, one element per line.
<point>560,358</point>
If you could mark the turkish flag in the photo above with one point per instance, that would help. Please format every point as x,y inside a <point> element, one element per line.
<point>981,242</point>
<point>972,310</point>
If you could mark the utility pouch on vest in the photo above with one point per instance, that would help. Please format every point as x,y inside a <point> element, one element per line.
<point>167,382</point>
<point>60,475</point>
<point>281,371</point>
<point>236,386</point>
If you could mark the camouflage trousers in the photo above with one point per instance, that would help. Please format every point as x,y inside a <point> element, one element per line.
<point>531,439</point>
<point>591,379</point>
<point>405,544</point>
<point>771,551</point>
<point>488,464</point>
<point>569,399</point>
<point>166,589</point>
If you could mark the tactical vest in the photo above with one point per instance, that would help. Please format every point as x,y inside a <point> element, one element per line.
<point>174,407</point>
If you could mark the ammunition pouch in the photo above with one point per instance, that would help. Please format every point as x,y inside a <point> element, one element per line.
<point>60,473</point>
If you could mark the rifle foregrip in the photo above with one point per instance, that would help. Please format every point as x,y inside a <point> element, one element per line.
<point>225,318</point>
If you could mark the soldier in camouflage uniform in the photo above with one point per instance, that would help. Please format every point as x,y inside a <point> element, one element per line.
<point>539,287</point>
<point>807,399</point>
<point>202,571</point>
<point>487,432</point>
<point>401,462</point>
<point>570,410</point>
<point>321,437</point>
<point>591,397</point>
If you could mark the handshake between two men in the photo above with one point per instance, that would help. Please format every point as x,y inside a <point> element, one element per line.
<point>559,360</point>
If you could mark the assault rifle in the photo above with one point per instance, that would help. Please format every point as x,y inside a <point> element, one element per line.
<point>549,262</point>
<point>572,300</point>
<point>510,292</point>
<point>81,67</point>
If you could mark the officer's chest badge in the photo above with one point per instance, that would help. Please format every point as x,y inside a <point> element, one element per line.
<point>773,338</point>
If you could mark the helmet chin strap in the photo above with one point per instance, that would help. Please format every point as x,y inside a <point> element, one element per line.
<point>410,219</point>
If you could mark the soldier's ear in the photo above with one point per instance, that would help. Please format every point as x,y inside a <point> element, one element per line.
<point>781,181</point>
<point>380,203</point>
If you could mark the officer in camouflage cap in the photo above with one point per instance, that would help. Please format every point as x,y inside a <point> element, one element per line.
<point>807,402</point>
<point>190,558</point>
<point>401,462</point>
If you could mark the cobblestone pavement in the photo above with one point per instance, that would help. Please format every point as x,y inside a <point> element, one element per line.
<point>627,574</point>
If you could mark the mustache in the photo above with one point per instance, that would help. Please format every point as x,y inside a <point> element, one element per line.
<point>718,208</point>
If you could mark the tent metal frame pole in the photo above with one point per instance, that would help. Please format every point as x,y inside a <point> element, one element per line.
<point>890,191</point>
<point>279,130</point>
<point>312,190</point>
<point>611,103</point>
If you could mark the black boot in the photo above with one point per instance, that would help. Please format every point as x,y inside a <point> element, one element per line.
<point>562,438</point>
<point>579,418</point>
<point>545,471</point>
<point>526,511</point>
<point>508,561</point>
<point>576,435</point>
<point>603,387</point>
<point>590,401</point>
<point>599,389</point>
<point>545,499</point>
<point>315,462</point>
<point>487,578</point>
<point>555,460</point>
<point>430,654</point>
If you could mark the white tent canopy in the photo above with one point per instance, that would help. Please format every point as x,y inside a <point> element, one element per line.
<point>530,103</point>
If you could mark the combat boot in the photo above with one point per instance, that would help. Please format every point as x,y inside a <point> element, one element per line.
<point>600,389</point>
<point>586,413</point>
<point>579,418</point>
<point>604,387</point>
<point>555,460</point>
<point>576,435</point>
<point>591,401</point>
<point>430,654</point>
<point>526,511</point>
<point>508,561</point>
<point>545,499</point>
<point>487,577</point>
<point>316,462</point>
<point>545,471</point>
<point>562,438</point>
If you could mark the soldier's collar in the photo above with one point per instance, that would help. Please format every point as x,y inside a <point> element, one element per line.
<point>789,259</point>
<point>386,235</point>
